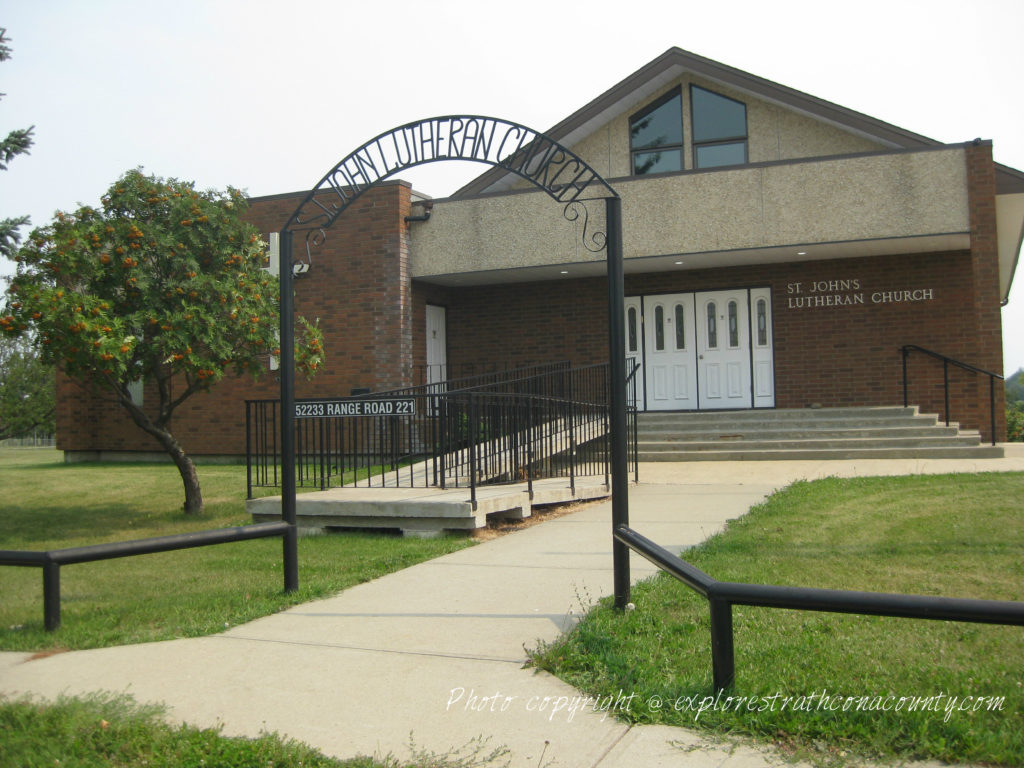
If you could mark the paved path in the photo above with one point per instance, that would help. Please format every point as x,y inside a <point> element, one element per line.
<point>436,651</point>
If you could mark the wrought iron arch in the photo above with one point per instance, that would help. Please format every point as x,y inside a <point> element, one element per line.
<point>529,154</point>
<point>532,156</point>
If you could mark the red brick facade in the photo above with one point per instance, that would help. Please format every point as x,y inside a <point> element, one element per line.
<point>828,353</point>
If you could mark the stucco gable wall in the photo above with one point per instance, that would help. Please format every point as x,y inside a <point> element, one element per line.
<point>774,133</point>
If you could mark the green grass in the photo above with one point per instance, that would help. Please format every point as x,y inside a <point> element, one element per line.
<point>956,535</point>
<point>104,731</point>
<point>48,505</point>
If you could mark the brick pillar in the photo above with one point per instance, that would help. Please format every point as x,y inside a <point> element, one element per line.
<point>987,349</point>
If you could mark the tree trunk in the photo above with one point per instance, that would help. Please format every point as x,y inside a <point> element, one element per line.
<point>189,477</point>
<point>187,470</point>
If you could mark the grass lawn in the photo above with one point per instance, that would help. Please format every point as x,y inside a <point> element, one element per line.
<point>46,504</point>
<point>105,731</point>
<point>954,535</point>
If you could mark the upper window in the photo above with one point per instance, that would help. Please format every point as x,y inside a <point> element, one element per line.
<point>656,136</point>
<point>719,129</point>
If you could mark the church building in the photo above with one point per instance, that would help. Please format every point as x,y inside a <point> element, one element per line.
<point>780,251</point>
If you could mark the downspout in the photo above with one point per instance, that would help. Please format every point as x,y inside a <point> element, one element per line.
<point>427,208</point>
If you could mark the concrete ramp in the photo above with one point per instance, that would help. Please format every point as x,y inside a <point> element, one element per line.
<point>424,511</point>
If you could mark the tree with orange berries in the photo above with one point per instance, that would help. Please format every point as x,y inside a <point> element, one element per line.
<point>162,283</point>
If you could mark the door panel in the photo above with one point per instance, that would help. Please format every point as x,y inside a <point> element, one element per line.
<point>723,345</point>
<point>706,350</point>
<point>437,345</point>
<point>669,347</point>
<point>762,354</point>
<point>635,349</point>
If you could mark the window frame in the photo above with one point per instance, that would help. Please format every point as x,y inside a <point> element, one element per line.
<point>696,145</point>
<point>680,147</point>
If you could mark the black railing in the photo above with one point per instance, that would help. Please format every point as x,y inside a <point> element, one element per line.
<point>502,427</point>
<point>946,363</point>
<point>51,560</point>
<point>723,595</point>
<point>437,372</point>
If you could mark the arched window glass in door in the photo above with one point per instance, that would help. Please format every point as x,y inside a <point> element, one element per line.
<point>680,327</point>
<point>762,323</point>
<point>734,325</point>
<point>659,328</point>
<point>631,323</point>
<point>712,325</point>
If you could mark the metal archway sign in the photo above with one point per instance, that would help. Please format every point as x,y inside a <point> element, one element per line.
<point>542,161</point>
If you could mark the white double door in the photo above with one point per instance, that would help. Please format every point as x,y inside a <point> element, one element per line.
<point>702,351</point>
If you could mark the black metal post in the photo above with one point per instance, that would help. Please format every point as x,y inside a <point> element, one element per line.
<point>906,399</point>
<point>51,596</point>
<point>723,665</point>
<point>529,446</point>
<point>248,448</point>
<point>291,551</point>
<point>617,371</point>
<point>945,380</point>
<point>323,457</point>
<point>992,405</point>
<point>474,415</point>
<point>443,438</point>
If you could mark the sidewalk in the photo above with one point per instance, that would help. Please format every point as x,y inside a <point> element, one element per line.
<point>435,652</point>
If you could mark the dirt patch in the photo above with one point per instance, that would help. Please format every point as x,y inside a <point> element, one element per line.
<point>496,528</point>
<point>46,654</point>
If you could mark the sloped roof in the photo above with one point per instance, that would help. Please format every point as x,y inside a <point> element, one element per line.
<point>675,62</point>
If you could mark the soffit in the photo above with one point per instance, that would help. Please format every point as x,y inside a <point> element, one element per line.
<point>1010,233</point>
<point>955,241</point>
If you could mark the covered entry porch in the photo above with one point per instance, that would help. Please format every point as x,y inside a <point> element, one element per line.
<point>704,350</point>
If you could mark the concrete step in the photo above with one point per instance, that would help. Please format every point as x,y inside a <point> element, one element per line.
<point>963,452</point>
<point>806,433</point>
<point>808,443</point>
<point>783,414</point>
<point>424,512</point>
<point>799,432</point>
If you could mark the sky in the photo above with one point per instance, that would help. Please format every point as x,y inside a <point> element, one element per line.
<point>268,96</point>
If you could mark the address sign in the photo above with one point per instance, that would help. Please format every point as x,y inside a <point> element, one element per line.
<point>325,409</point>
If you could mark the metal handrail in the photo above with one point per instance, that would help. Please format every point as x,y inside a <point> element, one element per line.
<point>722,595</point>
<point>906,349</point>
<point>455,433</point>
<point>478,380</point>
<point>52,560</point>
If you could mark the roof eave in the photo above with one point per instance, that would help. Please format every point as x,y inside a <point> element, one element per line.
<point>673,63</point>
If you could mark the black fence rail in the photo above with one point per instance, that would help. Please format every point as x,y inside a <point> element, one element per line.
<point>946,363</point>
<point>507,427</point>
<point>50,561</point>
<point>723,595</point>
<point>426,375</point>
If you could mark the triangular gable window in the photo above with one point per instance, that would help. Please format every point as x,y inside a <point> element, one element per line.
<point>719,129</point>
<point>656,136</point>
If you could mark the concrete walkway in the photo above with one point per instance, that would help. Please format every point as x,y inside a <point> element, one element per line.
<point>435,652</point>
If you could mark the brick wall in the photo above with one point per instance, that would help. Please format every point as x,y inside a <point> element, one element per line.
<point>359,289</point>
<point>828,355</point>
<point>373,317</point>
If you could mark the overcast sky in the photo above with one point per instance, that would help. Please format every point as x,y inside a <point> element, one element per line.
<point>268,95</point>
